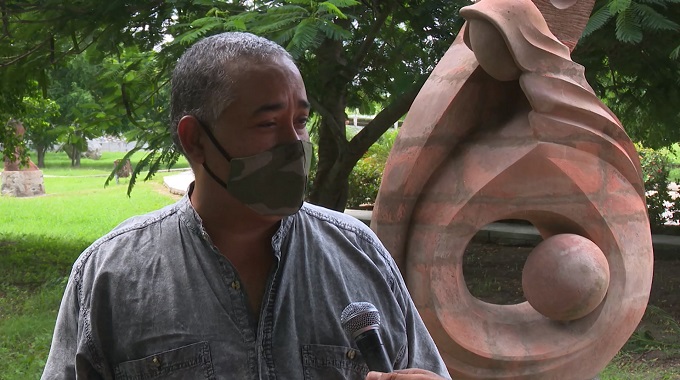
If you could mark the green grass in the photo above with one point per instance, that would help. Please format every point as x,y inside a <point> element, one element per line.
<point>40,239</point>
<point>628,367</point>
<point>58,164</point>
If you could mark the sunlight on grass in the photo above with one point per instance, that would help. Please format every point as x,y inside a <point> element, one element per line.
<point>58,163</point>
<point>41,237</point>
<point>26,336</point>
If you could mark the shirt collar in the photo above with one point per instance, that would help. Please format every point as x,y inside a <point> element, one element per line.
<point>195,223</point>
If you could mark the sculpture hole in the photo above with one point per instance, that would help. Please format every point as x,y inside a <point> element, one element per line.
<point>493,261</point>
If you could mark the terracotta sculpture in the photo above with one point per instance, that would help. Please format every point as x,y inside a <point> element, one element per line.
<point>18,180</point>
<point>508,128</point>
<point>13,164</point>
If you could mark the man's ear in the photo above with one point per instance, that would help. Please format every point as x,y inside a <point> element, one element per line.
<point>189,133</point>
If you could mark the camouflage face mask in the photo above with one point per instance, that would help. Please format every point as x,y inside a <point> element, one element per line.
<point>270,183</point>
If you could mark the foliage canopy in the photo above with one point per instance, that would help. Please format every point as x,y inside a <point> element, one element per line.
<point>372,56</point>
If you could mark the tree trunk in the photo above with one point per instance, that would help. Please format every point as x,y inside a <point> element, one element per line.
<point>331,148</point>
<point>75,159</point>
<point>331,104</point>
<point>333,188</point>
<point>337,156</point>
<point>331,185</point>
<point>40,150</point>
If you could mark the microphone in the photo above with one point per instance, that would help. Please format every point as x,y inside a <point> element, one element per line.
<point>361,321</point>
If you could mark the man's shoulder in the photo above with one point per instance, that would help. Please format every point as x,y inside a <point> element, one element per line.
<point>340,228</point>
<point>122,243</point>
<point>336,219</point>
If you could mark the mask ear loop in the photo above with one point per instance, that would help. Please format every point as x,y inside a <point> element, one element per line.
<point>220,149</point>
<point>214,140</point>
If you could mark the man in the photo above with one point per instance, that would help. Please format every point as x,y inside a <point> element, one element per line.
<point>239,279</point>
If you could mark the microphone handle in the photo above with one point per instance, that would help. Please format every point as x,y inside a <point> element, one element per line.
<point>372,349</point>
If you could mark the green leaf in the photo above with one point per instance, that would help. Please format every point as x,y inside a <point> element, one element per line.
<point>301,2</point>
<point>675,53</point>
<point>331,8</point>
<point>306,37</point>
<point>343,3</point>
<point>627,28</point>
<point>283,9</point>
<point>209,22</point>
<point>334,32</point>
<point>189,37</point>
<point>618,6</point>
<point>283,37</point>
<point>649,18</point>
<point>597,20</point>
<point>129,77</point>
<point>268,28</point>
<point>237,24</point>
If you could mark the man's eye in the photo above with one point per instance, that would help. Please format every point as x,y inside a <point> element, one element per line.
<point>302,122</point>
<point>268,124</point>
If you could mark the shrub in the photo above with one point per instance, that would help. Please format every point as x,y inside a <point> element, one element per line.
<point>661,207</point>
<point>364,181</point>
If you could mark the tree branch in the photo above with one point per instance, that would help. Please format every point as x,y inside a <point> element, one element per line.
<point>353,68</point>
<point>336,130</point>
<point>146,100</point>
<point>74,39</point>
<point>385,119</point>
<point>26,54</point>
<point>5,18</point>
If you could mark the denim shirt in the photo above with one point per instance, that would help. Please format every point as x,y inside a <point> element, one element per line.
<point>154,298</point>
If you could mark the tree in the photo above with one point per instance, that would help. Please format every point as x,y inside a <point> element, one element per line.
<point>352,54</point>
<point>631,51</point>
<point>38,120</point>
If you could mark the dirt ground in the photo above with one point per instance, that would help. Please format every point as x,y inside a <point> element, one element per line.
<point>494,274</point>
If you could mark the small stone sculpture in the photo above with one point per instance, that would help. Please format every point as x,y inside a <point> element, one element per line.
<point>13,163</point>
<point>507,127</point>
<point>18,180</point>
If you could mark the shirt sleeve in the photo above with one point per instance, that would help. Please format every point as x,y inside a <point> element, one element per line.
<point>421,350</point>
<point>68,358</point>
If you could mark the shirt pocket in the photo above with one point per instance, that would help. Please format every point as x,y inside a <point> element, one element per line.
<point>332,362</point>
<point>187,362</point>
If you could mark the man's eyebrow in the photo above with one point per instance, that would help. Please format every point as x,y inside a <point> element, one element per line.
<point>272,107</point>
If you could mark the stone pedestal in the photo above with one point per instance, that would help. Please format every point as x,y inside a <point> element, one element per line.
<point>28,183</point>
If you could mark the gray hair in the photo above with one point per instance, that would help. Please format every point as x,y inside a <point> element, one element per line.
<point>203,79</point>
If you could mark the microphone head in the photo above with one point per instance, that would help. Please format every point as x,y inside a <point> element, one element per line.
<point>359,317</point>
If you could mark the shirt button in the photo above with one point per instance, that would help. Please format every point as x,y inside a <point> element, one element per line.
<point>236,285</point>
<point>204,235</point>
<point>156,361</point>
<point>351,354</point>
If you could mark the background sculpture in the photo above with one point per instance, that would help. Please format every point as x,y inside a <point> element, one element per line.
<point>508,128</point>
<point>21,180</point>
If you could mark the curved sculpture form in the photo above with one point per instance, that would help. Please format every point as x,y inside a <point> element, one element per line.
<point>507,127</point>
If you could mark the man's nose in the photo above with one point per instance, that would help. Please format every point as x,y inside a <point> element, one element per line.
<point>288,132</point>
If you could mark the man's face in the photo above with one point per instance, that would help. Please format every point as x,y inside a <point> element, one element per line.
<point>270,108</point>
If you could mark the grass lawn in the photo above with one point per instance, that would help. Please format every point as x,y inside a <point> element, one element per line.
<point>40,239</point>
